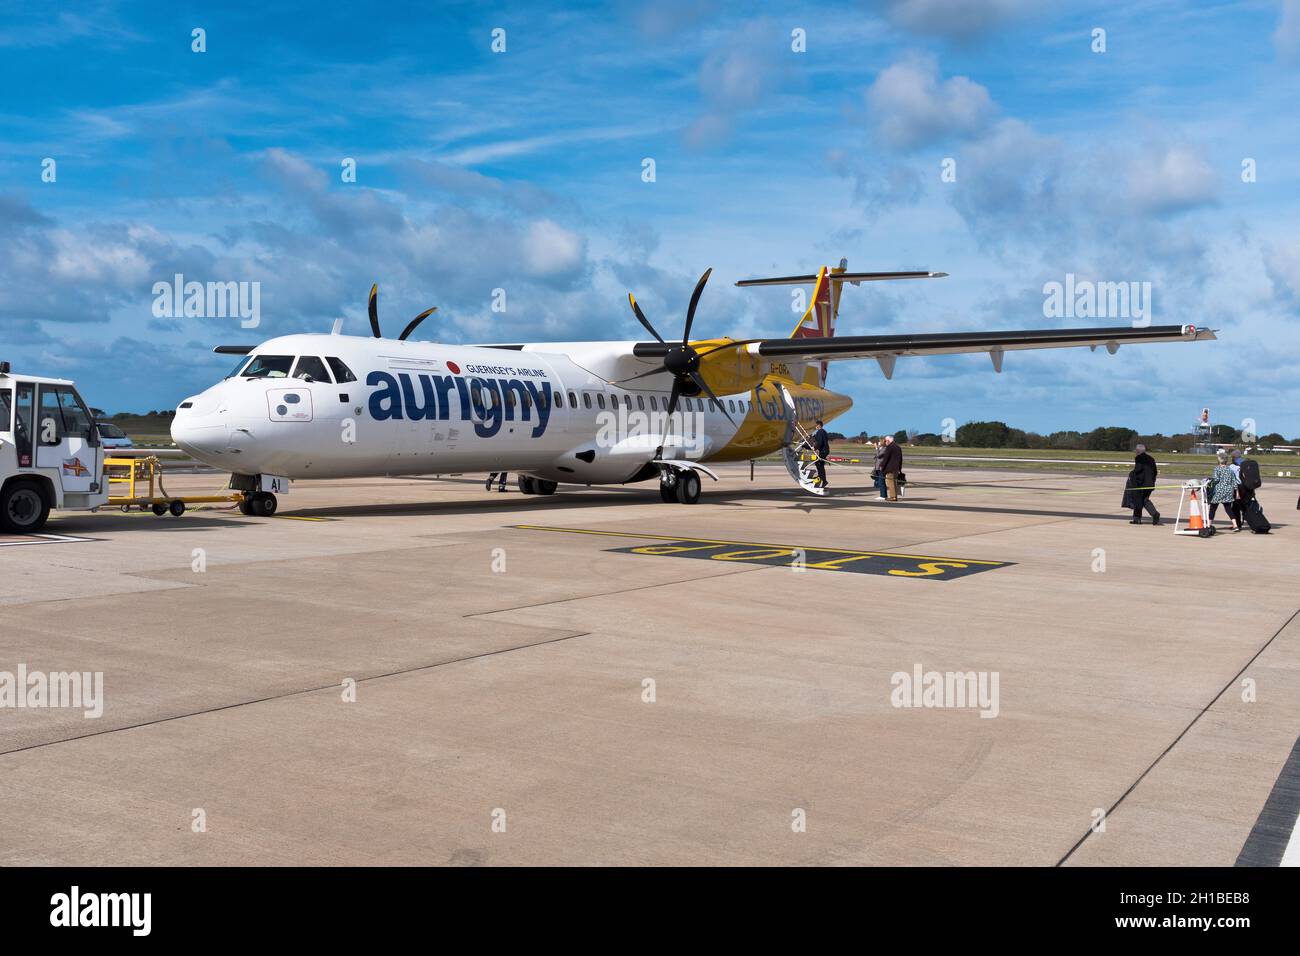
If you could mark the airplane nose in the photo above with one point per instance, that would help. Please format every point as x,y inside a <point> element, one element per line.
<point>198,431</point>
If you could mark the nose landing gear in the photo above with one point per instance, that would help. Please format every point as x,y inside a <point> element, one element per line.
<point>261,504</point>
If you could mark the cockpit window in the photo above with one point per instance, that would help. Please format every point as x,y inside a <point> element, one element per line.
<point>269,366</point>
<point>311,368</point>
<point>341,372</point>
<point>243,360</point>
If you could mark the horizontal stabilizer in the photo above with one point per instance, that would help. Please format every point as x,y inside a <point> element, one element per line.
<point>853,277</point>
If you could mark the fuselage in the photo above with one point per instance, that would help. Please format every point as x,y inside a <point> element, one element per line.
<point>336,406</point>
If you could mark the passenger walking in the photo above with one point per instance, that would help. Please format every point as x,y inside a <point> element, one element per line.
<point>821,447</point>
<point>891,464</point>
<point>1144,478</point>
<point>878,472</point>
<point>1223,490</point>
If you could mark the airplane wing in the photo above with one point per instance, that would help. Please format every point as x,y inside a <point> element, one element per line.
<point>887,348</point>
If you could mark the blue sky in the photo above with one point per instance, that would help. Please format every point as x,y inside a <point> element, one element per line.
<point>522,170</point>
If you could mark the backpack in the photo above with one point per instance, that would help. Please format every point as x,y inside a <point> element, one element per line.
<point>1250,474</point>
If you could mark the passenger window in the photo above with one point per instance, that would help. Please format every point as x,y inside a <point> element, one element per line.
<point>600,399</point>
<point>640,403</point>
<point>311,368</point>
<point>341,372</point>
<point>573,400</point>
<point>586,399</point>
<point>268,366</point>
<point>654,404</point>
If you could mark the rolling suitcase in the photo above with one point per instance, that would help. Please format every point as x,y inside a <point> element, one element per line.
<point>1253,515</point>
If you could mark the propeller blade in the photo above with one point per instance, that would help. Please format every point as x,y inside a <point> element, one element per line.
<point>374,311</point>
<point>654,371</point>
<point>699,380</point>
<point>410,326</point>
<point>695,300</point>
<point>643,320</point>
<point>668,418</point>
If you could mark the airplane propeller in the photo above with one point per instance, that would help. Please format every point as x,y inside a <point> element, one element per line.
<point>682,361</point>
<point>374,316</point>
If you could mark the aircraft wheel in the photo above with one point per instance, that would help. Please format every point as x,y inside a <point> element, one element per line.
<point>688,488</point>
<point>177,508</point>
<point>23,508</point>
<point>668,488</point>
<point>264,504</point>
<point>246,506</point>
<point>527,485</point>
<point>159,509</point>
<point>545,487</point>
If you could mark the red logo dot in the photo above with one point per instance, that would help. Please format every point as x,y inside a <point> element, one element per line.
<point>453,368</point>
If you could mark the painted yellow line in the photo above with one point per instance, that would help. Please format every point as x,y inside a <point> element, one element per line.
<point>750,544</point>
<point>300,518</point>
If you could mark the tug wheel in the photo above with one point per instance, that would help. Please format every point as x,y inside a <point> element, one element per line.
<point>177,508</point>
<point>23,508</point>
<point>159,509</point>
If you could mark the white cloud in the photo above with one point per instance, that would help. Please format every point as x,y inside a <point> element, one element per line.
<point>1178,179</point>
<point>550,249</point>
<point>913,107</point>
<point>1283,267</point>
<point>956,19</point>
<point>1286,38</point>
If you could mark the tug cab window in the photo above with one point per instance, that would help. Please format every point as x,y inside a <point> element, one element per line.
<point>341,372</point>
<point>6,409</point>
<point>268,366</point>
<point>311,368</point>
<point>60,406</point>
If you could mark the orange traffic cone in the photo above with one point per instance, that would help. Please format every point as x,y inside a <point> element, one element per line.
<point>1194,520</point>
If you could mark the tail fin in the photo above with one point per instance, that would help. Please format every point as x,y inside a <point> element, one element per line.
<point>819,320</point>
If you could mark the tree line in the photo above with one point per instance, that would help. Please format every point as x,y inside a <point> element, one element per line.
<point>1105,438</point>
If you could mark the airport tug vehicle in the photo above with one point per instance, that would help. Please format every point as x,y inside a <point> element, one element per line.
<point>51,456</point>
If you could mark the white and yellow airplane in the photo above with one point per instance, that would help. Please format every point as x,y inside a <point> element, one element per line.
<point>584,413</point>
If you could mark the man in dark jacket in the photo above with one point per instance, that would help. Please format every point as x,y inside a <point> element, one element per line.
<point>1144,478</point>
<point>891,463</point>
<point>821,447</point>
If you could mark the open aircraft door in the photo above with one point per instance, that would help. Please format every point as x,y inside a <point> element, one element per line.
<point>801,471</point>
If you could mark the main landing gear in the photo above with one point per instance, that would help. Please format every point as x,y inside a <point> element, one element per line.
<point>261,504</point>
<point>680,483</point>
<point>537,486</point>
